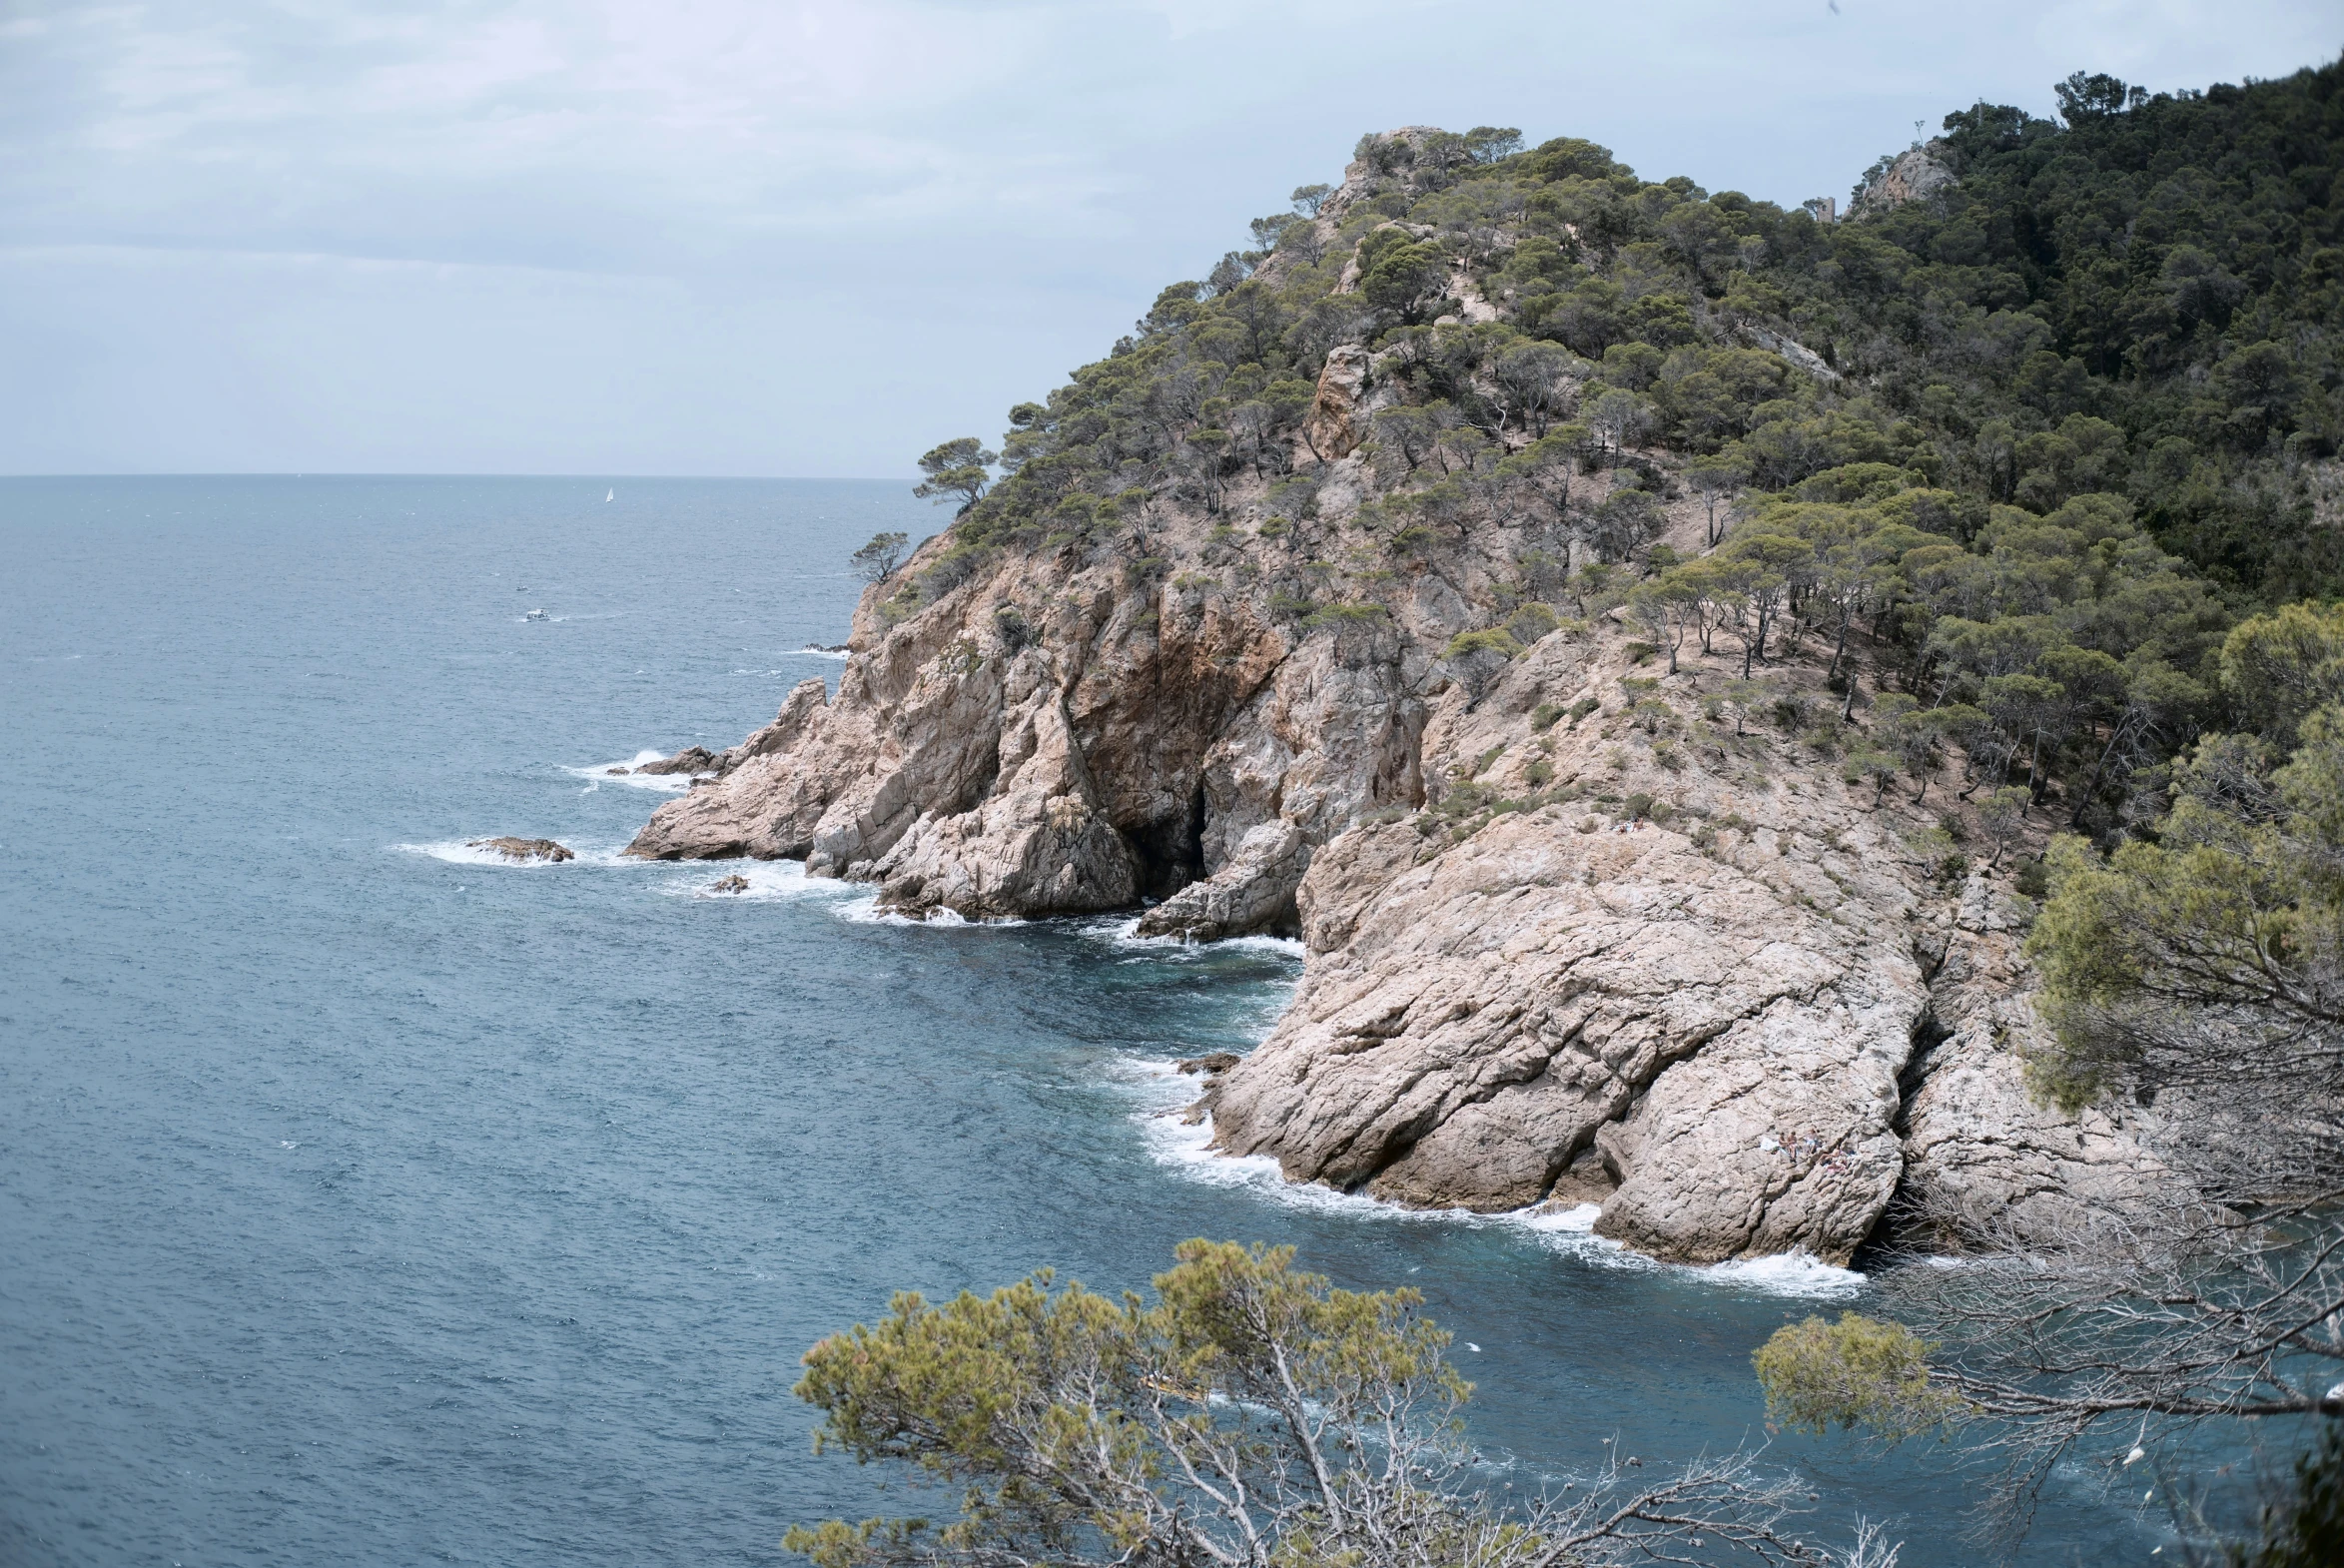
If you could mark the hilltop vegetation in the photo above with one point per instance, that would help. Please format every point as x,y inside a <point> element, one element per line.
<point>1497,506</point>
<point>2029,443</point>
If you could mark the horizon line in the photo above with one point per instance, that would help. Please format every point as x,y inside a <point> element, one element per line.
<point>362,474</point>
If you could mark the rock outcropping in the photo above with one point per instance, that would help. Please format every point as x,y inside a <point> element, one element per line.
<point>1629,958</point>
<point>1577,930</point>
<point>1916,175</point>
<point>524,852</point>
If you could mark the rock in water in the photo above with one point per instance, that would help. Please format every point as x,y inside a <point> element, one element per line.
<point>736,882</point>
<point>692,759</point>
<point>1210,1063</point>
<point>524,851</point>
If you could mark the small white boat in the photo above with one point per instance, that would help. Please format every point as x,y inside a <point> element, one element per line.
<point>536,616</point>
<point>612,496</point>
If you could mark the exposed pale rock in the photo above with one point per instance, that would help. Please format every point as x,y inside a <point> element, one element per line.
<point>692,759</point>
<point>1254,891</point>
<point>767,807</point>
<point>1981,1155</point>
<point>1916,175</point>
<point>1039,841</point>
<point>1478,1021</point>
<point>1791,349</point>
<point>1337,424</point>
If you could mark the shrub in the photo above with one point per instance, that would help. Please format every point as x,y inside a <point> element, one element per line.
<point>1532,622</point>
<point>1347,614</point>
<point>1496,640</point>
<point>950,570</point>
<point>2033,879</point>
<point>1858,1371</point>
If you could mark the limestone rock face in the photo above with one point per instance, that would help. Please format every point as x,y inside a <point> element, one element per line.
<point>1137,739</point>
<point>1338,423</point>
<point>1479,1019</point>
<point>1917,175</point>
<point>692,759</point>
<point>1255,891</point>
<point>1979,1154</point>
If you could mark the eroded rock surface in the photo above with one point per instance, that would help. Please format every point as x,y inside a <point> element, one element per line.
<point>1916,175</point>
<point>1981,1157</point>
<point>1579,929</point>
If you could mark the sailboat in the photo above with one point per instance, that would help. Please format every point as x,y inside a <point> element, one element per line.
<point>612,496</point>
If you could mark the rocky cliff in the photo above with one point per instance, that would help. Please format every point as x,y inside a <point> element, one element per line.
<point>1584,921</point>
<point>1571,937</point>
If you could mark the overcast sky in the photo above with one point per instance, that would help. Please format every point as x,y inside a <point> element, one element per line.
<point>756,237</point>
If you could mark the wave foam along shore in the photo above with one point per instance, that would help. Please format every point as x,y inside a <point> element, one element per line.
<point>624,773</point>
<point>1187,1149</point>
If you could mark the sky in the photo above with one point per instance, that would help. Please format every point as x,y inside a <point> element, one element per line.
<point>769,238</point>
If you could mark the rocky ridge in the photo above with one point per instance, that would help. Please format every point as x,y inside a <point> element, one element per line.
<point>1577,930</point>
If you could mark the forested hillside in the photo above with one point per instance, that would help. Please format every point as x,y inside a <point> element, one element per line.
<point>2053,407</point>
<point>1485,575</point>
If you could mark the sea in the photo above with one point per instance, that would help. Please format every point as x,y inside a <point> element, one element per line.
<point>366,1200</point>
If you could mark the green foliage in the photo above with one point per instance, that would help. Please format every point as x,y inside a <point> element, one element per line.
<point>1009,624</point>
<point>2307,1529</point>
<point>2235,906</point>
<point>1859,1372</point>
<point>1066,1418</point>
<point>956,471</point>
<point>2031,445</point>
<point>1495,640</point>
<point>876,560</point>
<point>2278,668</point>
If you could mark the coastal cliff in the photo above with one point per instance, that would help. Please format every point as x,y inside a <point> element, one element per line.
<point>1598,906</point>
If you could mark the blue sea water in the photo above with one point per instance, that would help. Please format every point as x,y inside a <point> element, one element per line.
<point>364,1203</point>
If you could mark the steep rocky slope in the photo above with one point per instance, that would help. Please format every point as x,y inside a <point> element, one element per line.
<point>1580,928</point>
<point>1629,957</point>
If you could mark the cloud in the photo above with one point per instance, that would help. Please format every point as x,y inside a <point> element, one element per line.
<point>924,210</point>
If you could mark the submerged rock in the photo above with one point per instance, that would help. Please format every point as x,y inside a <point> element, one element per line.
<point>736,882</point>
<point>524,851</point>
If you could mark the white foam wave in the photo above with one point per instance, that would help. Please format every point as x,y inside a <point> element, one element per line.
<point>1789,1274</point>
<point>622,773</point>
<point>458,852</point>
<point>767,880</point>
<point>865,910</point>
<point>819,653</point>
<point>1124,933</point>
<point>1291,946</point>
<point>1188,1150</point>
